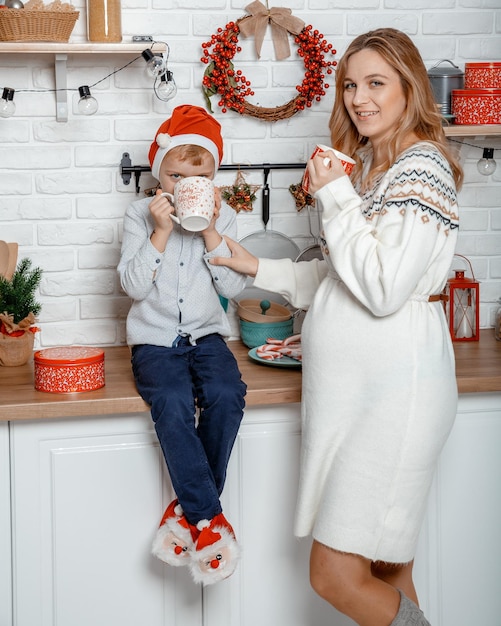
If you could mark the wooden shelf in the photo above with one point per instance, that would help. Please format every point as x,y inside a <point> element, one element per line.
<point>472,131</point>
<point>30,47</point>
<point>61,51</point>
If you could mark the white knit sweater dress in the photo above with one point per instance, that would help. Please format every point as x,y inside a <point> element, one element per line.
<point>379,386</point>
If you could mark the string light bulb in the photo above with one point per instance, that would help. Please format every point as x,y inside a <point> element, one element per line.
<point>487,165</point>
<point>167,88</point>
<point>155,65</point>
<point>7,105</point>
<point>87,105</point>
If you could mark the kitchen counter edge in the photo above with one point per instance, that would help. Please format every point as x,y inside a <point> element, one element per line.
<point>478,370</point>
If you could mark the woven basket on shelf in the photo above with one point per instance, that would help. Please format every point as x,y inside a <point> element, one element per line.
<point>25,25</point>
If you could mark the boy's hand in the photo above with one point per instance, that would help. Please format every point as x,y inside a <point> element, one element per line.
<point>217,210</point>
<point>211,237</point>
<point>161,209</point>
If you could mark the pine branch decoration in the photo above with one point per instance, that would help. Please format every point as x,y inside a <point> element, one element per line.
<point>17,295</point>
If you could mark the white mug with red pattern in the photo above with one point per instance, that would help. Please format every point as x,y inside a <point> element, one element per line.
<point>194,202</point>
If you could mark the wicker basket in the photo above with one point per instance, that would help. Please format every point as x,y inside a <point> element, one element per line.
<point>23,25</point>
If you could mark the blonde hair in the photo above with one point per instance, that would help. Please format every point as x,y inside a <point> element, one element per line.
<point>420,117</point>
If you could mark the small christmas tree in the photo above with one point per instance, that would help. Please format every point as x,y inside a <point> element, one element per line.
<point>17,295</point>
<point>18,308</point>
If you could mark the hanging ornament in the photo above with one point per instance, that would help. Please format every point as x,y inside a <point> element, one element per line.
<point>240,195</point>
<point>302,198</point>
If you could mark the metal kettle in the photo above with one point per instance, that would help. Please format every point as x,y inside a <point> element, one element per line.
<point>443,80</point>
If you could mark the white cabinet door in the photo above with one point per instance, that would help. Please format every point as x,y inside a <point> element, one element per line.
<point>462,533</point>
<point>470,515</point>
<point>271,585</point>
<point>88,495</point>
<point>5,533</point>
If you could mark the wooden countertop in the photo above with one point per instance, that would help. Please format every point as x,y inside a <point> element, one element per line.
<point>478,366</point>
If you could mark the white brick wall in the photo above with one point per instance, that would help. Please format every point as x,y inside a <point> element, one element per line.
<point>63,200</point>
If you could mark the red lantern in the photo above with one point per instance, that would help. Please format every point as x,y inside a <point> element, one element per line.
<point>463,305</point>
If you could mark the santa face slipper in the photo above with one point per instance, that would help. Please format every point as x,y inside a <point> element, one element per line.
<point>216,552</point>
<point>174,540</point>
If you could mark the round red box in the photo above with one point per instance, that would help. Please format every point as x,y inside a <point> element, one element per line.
<point>476,106</point>
<point>69,369</point>
<point>482,75</point>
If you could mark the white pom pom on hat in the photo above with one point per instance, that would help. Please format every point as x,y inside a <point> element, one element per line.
<point>163,140</point>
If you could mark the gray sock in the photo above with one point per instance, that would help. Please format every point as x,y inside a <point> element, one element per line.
<point>409,614</point>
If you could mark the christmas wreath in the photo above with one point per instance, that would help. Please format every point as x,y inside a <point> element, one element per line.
<point>231,85</point>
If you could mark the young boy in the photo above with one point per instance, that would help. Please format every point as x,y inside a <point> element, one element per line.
<point>181,363</point>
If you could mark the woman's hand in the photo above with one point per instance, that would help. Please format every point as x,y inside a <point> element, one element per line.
<point>323,169</point>
<point>241,260</point>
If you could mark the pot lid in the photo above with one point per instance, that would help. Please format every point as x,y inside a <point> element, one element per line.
<point>491,65</point>
<point>69,355</point>
<point>476,92</point>
<point>268,244</point>
<point>453,70</point>
<point>262,311</point>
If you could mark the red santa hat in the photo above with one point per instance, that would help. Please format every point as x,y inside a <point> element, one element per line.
<point>188,124</point>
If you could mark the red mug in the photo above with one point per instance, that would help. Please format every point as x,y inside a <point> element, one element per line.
<point>347,162</point>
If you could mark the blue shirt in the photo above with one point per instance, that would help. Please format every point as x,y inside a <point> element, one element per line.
<point>175,292</point>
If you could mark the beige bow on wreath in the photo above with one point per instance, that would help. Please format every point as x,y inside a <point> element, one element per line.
<point>282,22</point>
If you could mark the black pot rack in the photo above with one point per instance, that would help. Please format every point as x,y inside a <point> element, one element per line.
<point>127,169</point>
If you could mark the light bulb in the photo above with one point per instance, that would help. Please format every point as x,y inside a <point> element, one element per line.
<point>487,165</point>
<point>7,106</point>
<point>167,88</point>
<point>87,105</point>
<point>155,65</point>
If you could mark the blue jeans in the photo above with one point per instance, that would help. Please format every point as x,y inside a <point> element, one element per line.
<point>175,382</point>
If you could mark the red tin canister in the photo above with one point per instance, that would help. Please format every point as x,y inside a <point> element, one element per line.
<point>482,75</point>
<point>69,369</point>
<point>476,106</point>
